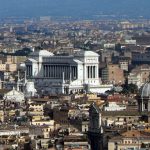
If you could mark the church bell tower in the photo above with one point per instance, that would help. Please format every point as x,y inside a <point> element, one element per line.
<point>95,133</point>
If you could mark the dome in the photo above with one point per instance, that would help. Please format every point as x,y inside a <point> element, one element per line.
<point>145,90</point>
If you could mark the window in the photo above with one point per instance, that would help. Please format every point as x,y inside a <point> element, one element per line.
<point>145,106</point>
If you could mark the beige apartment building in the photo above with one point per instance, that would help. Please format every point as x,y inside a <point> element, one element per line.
<point>133,139</point>
<point>8,63</point>
<point>113,74</point>
<point>139,76</point>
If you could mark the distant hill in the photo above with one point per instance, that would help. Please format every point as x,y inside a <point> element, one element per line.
<point>74,8</point>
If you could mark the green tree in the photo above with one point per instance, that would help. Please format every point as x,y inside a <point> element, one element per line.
<point>129,89</point>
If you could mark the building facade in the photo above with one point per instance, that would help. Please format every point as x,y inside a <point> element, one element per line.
<point>133,139</point>
<point>113,74</point>
<point>95,132</point>
<point>113,106</point>
<point>64,74</point>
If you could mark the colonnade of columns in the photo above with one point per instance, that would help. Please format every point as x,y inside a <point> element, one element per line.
<point>29,70</point>
<point>73,72</point>
<point>91,72</point>
<point>56,71</point>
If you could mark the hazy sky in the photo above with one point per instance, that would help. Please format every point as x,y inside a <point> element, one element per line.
<point>73,7</point>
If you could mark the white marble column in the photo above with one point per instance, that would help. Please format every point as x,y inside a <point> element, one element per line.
<point>47,70</point>
<point>31,70</point>
<point>88,72</point>
<point>54,71</point>
<point>28,71</point>
<point>62,70</point>
<point>76,72</point>
<point>91,71</point>
<point>65,72</point>
<point>96,72</point>
<point>72,72</point>
<point>50,70</point>
<point>44,71</point>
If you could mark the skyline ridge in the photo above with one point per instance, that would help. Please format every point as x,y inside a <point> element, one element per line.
<point>78,8</point>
